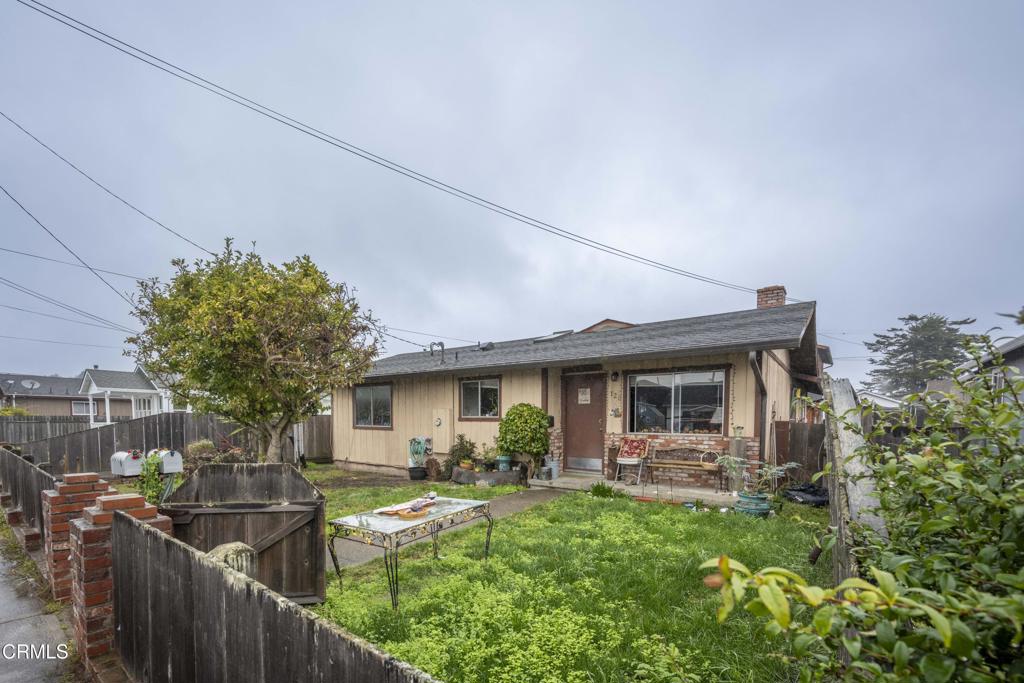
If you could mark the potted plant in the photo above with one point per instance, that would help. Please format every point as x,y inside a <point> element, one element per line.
<point>417,458</point>
<point>735,468</point>
<point>754,500</point>
<point>524,432</point>
<point>462,452</point>
<point>489,456</point>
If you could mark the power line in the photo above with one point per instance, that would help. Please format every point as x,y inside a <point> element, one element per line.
<point>845,341</point>
<point>436,336</point>
<point>267,112</point>
<point>60,317</point>
<point>103,187</point>
<point>69,263</point>
<point>68,307</point>
<point>69,249</point>
<point>53,341</point>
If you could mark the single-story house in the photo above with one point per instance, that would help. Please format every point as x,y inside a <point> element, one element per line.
<point>95,392</point>
<point>686,383</point>
<point>56,397</point>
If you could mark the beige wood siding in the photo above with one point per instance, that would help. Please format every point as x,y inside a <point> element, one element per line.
<point>413,405</point>
<point>62,406</point>
<point>778,383</point>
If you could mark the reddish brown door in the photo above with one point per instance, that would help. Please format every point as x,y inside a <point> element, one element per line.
<point>583,437</point>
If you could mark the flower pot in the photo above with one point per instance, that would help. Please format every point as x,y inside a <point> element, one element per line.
<point>417,473</point>
<point>504,463</point>
<point>466,464</point>
<point>755,504</point>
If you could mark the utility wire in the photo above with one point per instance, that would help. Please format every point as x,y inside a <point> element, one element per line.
<point>60,317</point>
<point>60,304</point>
<point>69,263</point>
<point>436,336</point>
<point>263,110</point>
<point>69,249</point>
<point>106,189</point>
<point>845,341</point>
<point>53,341</point>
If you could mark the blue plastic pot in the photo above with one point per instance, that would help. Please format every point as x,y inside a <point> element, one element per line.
<point>755,504</point>
<point>504,463</point>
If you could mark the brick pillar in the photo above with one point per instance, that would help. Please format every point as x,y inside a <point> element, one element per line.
<point>61,506</point>
<point>92,606</point>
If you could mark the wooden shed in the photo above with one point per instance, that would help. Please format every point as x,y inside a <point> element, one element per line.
<point>272,508</point>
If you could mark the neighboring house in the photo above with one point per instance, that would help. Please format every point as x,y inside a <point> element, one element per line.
<point>95,392</point>
<point>880,400</point>
<point>146,396</point>
<point>693,382</point>
<point>56,396</point>
<point>1012,353</point>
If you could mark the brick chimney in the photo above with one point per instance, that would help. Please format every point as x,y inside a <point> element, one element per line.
<point>771,296</point>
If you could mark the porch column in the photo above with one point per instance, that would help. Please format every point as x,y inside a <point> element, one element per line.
<point>106,405</point>
<point>92,412</point>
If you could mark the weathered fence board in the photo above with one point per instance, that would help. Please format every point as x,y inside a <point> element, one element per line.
<point>803,444</point>
<point>25,482</point>
<point>181,617</point>
<point>90,450</point>
<point>19,429</point>
<point>272,508</point>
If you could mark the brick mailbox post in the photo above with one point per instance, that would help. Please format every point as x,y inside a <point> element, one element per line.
<point>61,506</point>
<point>92,570</point>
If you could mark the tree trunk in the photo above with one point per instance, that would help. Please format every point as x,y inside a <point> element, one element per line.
<point>274,444</point>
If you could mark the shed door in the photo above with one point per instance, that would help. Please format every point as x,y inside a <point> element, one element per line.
<point>583,438</point>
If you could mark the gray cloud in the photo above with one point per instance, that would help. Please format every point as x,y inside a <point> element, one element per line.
<point>866,156</point>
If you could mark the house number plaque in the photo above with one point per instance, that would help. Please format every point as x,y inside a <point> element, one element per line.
<point>583,396</point>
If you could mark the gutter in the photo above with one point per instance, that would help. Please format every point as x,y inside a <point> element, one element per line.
<point>755,365</point>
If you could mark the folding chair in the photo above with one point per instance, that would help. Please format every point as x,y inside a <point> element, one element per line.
<point>633,451</point>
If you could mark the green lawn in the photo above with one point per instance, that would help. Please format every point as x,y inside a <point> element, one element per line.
<point>578,590</point>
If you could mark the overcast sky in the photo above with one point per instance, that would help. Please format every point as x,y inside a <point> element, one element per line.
<point>867,156</point>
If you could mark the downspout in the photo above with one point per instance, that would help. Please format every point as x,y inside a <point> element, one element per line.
<point>755,365</point>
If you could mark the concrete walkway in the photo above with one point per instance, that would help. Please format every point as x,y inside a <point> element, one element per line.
<point>351,553</point>
<point>23,622</point>
<point>580,481</point>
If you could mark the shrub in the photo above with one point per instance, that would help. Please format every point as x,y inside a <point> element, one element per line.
<point>942,597</point>
<point>151,484</point>
<point>600,489</point>
<point>524,430</point>
<point>14,411</point>
<point>462,449</point>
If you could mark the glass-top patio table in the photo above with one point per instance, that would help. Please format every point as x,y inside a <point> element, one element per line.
<point>390,532</point>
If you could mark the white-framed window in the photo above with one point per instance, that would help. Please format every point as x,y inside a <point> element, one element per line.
<point>687,402</point>
<point>480,398</point>
<point>82,408</point>
<point>372,406</point>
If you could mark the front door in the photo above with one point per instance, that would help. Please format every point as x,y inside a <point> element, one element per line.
<point>583,432</point>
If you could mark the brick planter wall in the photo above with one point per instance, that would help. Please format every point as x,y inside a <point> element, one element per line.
<point>666,443</point>
<point>61,506</point>
<point>91,569</point>
<point>555,447</point>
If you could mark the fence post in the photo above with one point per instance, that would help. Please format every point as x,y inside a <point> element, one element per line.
<point>62,505</point>
<point>92,582</point>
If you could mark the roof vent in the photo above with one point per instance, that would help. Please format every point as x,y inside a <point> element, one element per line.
<point>553,335</point>
<point>486,346</point>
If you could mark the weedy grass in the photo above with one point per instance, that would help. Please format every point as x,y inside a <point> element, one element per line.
<point>579,590</point>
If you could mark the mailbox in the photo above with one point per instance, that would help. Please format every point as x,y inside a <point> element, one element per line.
<point>170,461</point>
<point>126,463</point>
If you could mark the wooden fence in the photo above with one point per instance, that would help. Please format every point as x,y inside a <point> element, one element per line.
<point>181,617</point>
<point>90,450</point>
<point>25,482</point>
<point>271,508</point>
<point>19,429</point>
<point>803,444</point>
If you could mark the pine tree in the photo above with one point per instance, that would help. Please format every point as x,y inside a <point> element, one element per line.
<point>903,366</point>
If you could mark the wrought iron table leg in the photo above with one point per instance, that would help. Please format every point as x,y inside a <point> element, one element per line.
<point>434,532</point>
<point>334,558</point>
<point>391,566</point>
<point>490,527</point>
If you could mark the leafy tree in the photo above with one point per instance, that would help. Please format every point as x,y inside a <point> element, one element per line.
<point>254,342</point>
<point>941,597</point>
<point>524,430</point>
<point>909,352</point>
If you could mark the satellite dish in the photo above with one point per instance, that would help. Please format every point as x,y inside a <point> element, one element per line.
<point>30,384</point>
